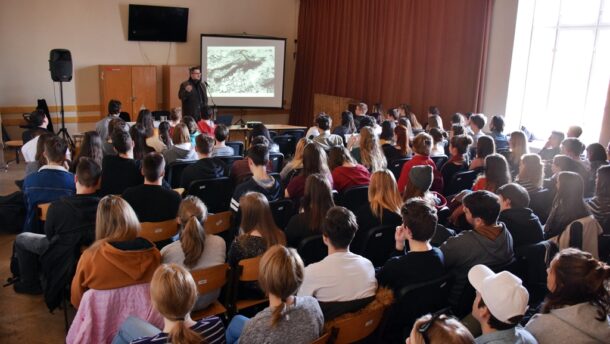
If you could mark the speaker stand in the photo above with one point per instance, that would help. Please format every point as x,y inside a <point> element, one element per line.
<point>63,132</point>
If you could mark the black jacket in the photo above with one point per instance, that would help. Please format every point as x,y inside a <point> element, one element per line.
<point>523,225</point>
<point>70,225</point>
<point>195,101</point>
<point>206,168</point>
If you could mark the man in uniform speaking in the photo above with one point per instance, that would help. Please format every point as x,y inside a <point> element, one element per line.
<point>193,95</point>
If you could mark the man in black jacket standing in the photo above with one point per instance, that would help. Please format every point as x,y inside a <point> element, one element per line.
<point>193,94</point>
<point>70,224</point>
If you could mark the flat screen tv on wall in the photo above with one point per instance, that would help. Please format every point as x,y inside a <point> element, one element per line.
<point>157,23</point>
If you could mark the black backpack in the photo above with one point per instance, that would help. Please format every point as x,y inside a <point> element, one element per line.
<point>12,212</point>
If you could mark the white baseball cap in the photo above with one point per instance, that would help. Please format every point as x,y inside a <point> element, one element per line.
<point>503,293</point>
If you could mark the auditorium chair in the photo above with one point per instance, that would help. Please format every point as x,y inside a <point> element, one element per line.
<point>217,223</point>
<point>238,147</point>
<point>312,249</point>
<point>357,326</point>
<point>396,166</point>
<point>541,202</point>
<point>282,210</point>
<point>296,133</point>
<point>215,193</point>
<point>207,281</point>
<point>229,160</point>
<point>173,172</point>
<point>277,161</point>
<point>439,160</point>
<point>354,197</point>
<point>531,268</point>
<point>43,209</point>
<point>461,181</point>
<point>287,144</point>
<point>246,271</point>
<point>159,231</point>
<point>378,244</point>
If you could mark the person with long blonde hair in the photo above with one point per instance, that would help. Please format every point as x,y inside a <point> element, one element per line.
<point>196,249</point>
<point>173,293</point>
<point>118,257</point>
<point>297,319</point>
<point>383,208</point>
<point>518,148</point>
<point>369,151</point>
<point>296,163</point>
<point>531,172</point>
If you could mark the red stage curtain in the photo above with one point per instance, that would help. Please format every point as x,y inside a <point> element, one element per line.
<point>421,52</point>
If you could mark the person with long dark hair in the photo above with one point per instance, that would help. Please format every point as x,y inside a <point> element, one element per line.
<point>568,204</point>
<point>314,161</point>
<point>600,203</point>
<point>577,307</point>
<point>138,136</point>
<point>484,147</point>
<point>531,172</point>
<point>496,174</point>
<point>458,162</point>
<point>317,200</point>
<point>347,126</point>
<point>346,172</point>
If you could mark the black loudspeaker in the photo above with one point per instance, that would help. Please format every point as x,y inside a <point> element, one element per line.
<point>60,65</point>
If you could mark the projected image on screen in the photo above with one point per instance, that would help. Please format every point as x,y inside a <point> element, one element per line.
<point>241,71</point>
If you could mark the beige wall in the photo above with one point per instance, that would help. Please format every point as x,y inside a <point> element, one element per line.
<point>95,31</point>
<point>499,57</point>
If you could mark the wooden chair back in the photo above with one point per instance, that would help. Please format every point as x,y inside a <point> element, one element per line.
<point>358,327</point>
<point>159,231</point>
<point>43,209</point>
<point>217,223</point>
<point>249,269</point>
<point>210,279</point>
<point>323,339</point>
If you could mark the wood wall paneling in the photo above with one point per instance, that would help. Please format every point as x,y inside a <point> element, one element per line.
<point>173,76</point>
<point>144,89</point>
<point>332,105</point>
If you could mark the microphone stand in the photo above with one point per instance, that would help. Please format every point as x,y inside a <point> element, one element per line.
<point>207,90</point>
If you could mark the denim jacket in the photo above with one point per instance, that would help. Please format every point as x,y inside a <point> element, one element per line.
<point>46,185</point>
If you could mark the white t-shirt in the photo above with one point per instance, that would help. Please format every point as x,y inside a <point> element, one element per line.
<point>29,150</point>
<point>312,132</point>
<point>341,276</point>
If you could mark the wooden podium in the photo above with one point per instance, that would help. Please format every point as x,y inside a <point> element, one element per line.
<point>332,105</point>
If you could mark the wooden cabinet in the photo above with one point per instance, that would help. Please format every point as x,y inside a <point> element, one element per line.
<point>134,86</point>
<point>173,76</point>
<point>332,105</point>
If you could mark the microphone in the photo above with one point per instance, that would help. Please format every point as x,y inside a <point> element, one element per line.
<point>206,84</point>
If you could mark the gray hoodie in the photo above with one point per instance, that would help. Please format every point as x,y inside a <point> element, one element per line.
<point>571,324</point>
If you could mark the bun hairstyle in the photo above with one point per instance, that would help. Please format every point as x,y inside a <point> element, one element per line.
<point>579,278</point>
<point>173,292</point>
<point>422,144</point>
<point>461,143</point>
<point>192,214</point>
<point>281,274</point>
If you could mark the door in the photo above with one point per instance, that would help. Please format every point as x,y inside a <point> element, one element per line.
<point>144,89</point>
<point>115,83</point>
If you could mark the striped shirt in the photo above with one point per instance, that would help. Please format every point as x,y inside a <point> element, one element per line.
<point>211,330</point>
<point>600,208</point>
<point>528,185</point>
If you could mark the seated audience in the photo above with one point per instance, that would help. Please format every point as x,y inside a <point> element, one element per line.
<point>173,293</point>
<point>574,148</point>
<point>518,148</point>
<point>574,131</point>
<point>261,130</point>
<point>523,225</point>
<point>568,204</point>
<point>70,223</point>
<point>39,123</point>
<point>51,182</point>
<point>240,170</point>
<point>600,203</point>
<point>317,200</point>
<point>221,133</point>
<point>165,135</point>
<point>297,319</point>
<point>296,164</point>
<point>346,128</point>
<point>120,171</point>
<point>420,262</point>
<point>326,139</point>
<point>405,111</point>
<point>182,149</point>
<point>458,162</point>
<point>39,159</point>
<point>314,161</point>
<point>439,141</point>
<point>102,126</point>
<point>90,147</point>
<point>552,146</point>
<point>192,128</point>
<point>476,123</point>
<point>484,147</point>
<point>257,232</point>
<point>497,173</point>
<point>260,182</point>
<point>138,136</point>
<point>314,131</point>
<point>146,120</point>
<point>346,172</point>
<point>118,257</point>
<point>577,307</point>
<point>596,158</point>
<point>140,197</point>
<point>499,306</point>
<point>420,181</point>
<point>383,206</point>
<point>206,167</point>
<point>489,243</point>
<point>531,173</point>
<point>369,152</point>
<point>342,282</point>
<point>439,328</point>
<point>422,146</point>
<point>175,117</point>
<point>496,127</point>
<point>195,250</point>
<point>360,114</point>
<point>206,124</point>
<point>387,133</point>
<point>115,123</point>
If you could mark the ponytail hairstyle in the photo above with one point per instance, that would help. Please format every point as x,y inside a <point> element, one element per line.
<point>173,293</point>
<point>192,213</point>
<point>281,274</point>
<point>402,139</point>
<point>164,133</point>
<point>579,278</point>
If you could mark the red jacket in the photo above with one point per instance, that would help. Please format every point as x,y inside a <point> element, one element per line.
<point>437,183</point>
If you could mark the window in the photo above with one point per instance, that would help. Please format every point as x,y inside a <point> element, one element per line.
<point>560,66</point>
